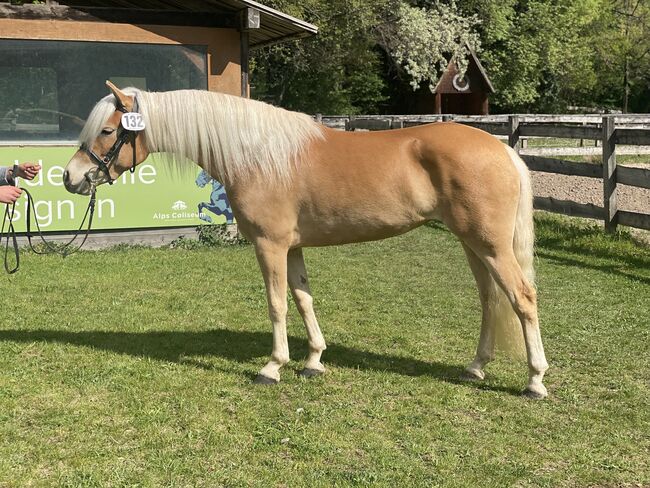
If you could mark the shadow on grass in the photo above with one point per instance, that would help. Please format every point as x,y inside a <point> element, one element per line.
<point>240,346</point>
<point>576,244</point>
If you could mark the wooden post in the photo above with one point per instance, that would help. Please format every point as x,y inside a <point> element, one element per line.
<point>610,198</point>
<point>244,63</point>
<point>319,118</point>
<point>513,132</point>
<point>437,104</point>
<point>250,19</point>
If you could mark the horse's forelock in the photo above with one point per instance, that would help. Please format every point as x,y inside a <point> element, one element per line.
<point>99,115</point>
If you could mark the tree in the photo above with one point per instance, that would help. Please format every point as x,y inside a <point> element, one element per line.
<point>337,71</point>
<point>624,53</point>
<point>538,53</point>
<point>343,69</point>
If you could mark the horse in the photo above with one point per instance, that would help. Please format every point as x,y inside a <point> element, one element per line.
<point>218,203</point>
<point>294,183</point>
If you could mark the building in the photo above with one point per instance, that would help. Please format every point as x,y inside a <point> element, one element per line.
<point>456,94</point>
<point>55,58</point>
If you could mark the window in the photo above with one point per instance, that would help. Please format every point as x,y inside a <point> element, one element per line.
<point>47,88</point>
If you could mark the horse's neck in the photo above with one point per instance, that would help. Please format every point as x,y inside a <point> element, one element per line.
<point>167,129</point>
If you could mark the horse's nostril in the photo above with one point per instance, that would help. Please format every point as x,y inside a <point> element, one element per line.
<point>66,175</point>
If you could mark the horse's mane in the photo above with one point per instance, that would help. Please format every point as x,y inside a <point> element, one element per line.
<point>228,136</point>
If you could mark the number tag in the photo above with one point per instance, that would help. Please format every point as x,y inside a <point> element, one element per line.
<point>133,121</point>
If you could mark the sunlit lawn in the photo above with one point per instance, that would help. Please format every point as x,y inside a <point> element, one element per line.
<point>133,367</point>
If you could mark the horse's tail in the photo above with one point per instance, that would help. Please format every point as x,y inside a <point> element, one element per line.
<point>508,331</point>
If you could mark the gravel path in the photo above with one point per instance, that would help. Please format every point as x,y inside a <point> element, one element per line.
<point>588,190</point>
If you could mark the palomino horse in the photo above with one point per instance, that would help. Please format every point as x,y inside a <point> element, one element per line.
<point>294,183</point>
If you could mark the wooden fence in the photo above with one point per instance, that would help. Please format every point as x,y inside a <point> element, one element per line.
<point>611,130</point>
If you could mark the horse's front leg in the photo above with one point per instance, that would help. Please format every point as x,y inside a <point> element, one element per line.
<point>299,285</point>
<point>273,263</point>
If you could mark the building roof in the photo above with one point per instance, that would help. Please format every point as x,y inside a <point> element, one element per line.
<point>475,71</point>
<point>274,26</point>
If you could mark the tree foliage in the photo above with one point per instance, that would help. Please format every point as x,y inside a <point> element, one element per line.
<point>541,55</point>
<point>343,69</point>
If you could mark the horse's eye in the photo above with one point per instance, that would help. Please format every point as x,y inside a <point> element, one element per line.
<point>108,131</point>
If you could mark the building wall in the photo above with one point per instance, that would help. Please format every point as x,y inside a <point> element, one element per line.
<point>223,44</point>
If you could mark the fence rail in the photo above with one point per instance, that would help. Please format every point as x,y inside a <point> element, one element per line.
<point>610,130</point>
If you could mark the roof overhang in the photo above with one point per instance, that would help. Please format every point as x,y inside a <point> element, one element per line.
<point>274,26</point>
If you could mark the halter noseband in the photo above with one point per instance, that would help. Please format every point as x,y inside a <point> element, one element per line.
<point>103,164</point>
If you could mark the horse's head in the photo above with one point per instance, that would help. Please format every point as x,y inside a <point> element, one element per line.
<point>112,142</point>
<point>203,179</point>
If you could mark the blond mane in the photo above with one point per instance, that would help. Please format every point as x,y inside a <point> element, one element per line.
<point>231,137</point>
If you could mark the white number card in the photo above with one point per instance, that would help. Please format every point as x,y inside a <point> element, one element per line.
<point>133,121</point>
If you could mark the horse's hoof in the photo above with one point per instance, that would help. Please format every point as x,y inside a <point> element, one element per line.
<point>534,395</point>
<point>310,372</point>
<point>472,375</point>
<point>260,379</point>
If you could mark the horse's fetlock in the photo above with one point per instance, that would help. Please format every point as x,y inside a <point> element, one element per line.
<point>317,346</point>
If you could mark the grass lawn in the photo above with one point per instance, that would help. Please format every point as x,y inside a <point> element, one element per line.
<point>133,367</point>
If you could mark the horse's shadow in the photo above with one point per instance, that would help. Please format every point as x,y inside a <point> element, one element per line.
<point>240,346</point>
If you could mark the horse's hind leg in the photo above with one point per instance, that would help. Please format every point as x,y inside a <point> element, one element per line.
<point>506,271</point>
<point>485,349</point>
<point>298,283</point>
<point>273,263</point>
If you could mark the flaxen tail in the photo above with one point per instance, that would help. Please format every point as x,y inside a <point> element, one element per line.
<point>507,327</point>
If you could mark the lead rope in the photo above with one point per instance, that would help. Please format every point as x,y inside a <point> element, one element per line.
<point>63,249</point>
<point>11,233</point>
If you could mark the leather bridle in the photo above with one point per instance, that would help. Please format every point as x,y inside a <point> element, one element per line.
<point>123,136</point>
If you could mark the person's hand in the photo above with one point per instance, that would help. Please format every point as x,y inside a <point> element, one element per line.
<point>27,171</point>
<point>9,194</point>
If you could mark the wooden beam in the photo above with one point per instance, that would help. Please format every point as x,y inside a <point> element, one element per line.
<point>496,128</point>
<point>634,219</point>
<point>568,207</point>
<point>120,15</point>
<point>556,130</point>
<point>639,177</point>
<point>635,137</point>
<point>563,167</point>
<point>370,124</point>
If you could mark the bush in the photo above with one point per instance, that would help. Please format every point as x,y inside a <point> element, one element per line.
<point>217,235</point>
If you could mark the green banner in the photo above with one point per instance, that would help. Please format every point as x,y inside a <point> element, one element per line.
<point>153,196</point>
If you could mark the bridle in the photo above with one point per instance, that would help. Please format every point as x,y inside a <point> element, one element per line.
<point>123,135</point>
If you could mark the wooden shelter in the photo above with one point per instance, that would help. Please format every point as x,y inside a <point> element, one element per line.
<point>218,34</point>
<point>456,94</point>
<point>463,95</point>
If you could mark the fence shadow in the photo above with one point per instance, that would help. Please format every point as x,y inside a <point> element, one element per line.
<point>566,243</point>
<point>240,346</point>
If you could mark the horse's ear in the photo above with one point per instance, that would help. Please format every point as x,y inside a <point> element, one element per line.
<point>122,98</point>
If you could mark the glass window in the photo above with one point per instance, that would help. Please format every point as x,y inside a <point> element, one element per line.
<point>47,88</point>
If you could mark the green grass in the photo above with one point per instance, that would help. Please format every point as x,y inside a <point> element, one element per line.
<point>133,367</point>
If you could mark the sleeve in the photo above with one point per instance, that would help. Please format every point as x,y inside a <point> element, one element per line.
<point>3,176</point>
